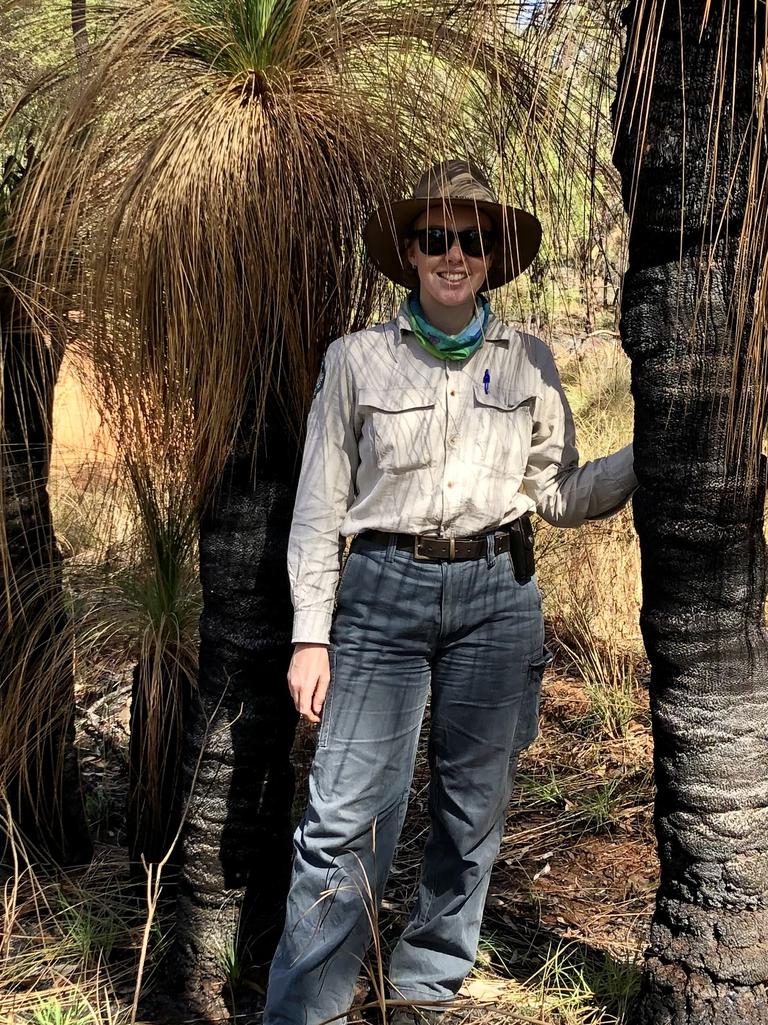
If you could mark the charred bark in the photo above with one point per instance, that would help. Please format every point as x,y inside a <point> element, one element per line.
<point>38,763</point>
<point>78,17</point>
<point>698,511</point>
<point>236,845</point>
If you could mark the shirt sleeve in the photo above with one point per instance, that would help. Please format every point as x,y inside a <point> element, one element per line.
<point>566,494</point>
<point>324,494</point>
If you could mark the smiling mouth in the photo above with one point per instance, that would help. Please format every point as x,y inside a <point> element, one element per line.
<point>452,277</point>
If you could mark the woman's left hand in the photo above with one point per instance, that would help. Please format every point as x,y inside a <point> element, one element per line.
<point>308,677</point>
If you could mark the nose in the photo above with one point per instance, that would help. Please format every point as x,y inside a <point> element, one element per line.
<point>454,254</point>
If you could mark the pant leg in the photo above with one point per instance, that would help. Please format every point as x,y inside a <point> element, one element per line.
<point>483,693</point>
<point>387,618</point>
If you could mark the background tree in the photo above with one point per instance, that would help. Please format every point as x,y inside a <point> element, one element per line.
<point>39,773</point>
<point>38,766</point>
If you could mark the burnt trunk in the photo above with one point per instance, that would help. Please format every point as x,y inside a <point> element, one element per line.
<point>699,508</point>
<point>236,845</point>
<point>39,769</point>
<point>78,17</point>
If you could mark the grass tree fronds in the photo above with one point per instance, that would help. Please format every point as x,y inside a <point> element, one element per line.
<point>224,200</point>
<point>168,602</point>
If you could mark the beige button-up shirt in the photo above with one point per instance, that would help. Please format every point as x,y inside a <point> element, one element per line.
<point>398,440</point>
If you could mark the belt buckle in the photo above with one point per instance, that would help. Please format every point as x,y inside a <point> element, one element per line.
<point>426,558</point>
<point>416,553</point>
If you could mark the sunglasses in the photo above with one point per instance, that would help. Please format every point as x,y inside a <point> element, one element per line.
<point>437,241</point>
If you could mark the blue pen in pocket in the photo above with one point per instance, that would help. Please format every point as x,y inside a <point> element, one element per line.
<point>486,380</point>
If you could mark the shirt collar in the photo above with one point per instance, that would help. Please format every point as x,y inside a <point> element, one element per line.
<point>496,331</point>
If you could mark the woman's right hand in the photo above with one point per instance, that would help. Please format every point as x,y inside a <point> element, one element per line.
<point>308,677</point>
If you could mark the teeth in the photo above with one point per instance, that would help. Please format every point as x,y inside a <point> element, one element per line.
<point>453,277</point>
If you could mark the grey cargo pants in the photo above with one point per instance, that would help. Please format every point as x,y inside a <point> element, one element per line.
<point>470,635</point>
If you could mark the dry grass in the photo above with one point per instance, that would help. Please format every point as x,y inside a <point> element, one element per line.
<point>60,940</point>
<point>590,578</point>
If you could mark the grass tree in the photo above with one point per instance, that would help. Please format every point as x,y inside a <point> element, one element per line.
<point>691,148</point>
<point>39,775</point>
<point>215,170</point>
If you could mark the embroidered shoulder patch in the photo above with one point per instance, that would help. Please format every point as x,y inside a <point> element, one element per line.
<point>320,380</point>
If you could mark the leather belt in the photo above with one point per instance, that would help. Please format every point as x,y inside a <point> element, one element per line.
<point>451,548</point>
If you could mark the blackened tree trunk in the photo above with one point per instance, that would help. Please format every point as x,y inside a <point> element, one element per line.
<point>78,15</point>
<point>38,764</point>
<point>699,511</point>
<point>236,843</point>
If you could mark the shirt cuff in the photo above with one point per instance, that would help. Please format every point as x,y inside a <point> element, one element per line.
<point>622,474</point>
<point>311,627</point>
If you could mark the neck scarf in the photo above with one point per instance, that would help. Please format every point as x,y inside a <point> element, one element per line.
<point>444,346</point>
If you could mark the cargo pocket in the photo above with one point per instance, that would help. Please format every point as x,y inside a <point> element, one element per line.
<point>528,720</point>
<point>400,422</point>
<point>326,715</point>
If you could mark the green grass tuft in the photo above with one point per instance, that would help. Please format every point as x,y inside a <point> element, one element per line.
<point>52,1011</point>
<point>599,805</point>
<point>577,990</point>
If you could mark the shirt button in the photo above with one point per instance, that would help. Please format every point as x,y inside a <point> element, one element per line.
<point>453,391</point>
<point>453,440</point>
<point>449,484</point>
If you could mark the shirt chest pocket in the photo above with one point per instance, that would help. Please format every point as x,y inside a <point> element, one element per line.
<point>503,427</point>
<point>399,423</point>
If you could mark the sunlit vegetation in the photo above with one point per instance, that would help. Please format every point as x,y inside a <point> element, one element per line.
<point>135,447</point>
<point>166,182</point>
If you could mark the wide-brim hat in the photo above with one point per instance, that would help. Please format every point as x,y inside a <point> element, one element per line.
<point>452,184</point>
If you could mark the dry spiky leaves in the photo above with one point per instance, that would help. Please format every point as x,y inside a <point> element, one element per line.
<point>205,188</point>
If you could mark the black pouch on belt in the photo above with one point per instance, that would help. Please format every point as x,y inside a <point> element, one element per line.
<point>521,548</point>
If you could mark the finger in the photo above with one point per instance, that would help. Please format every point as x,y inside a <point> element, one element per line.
<point>305,703</point>
<point>318,698</point>
<point>295,691</point>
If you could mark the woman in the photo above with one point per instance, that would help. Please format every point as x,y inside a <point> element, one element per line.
<point>431,439</point>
